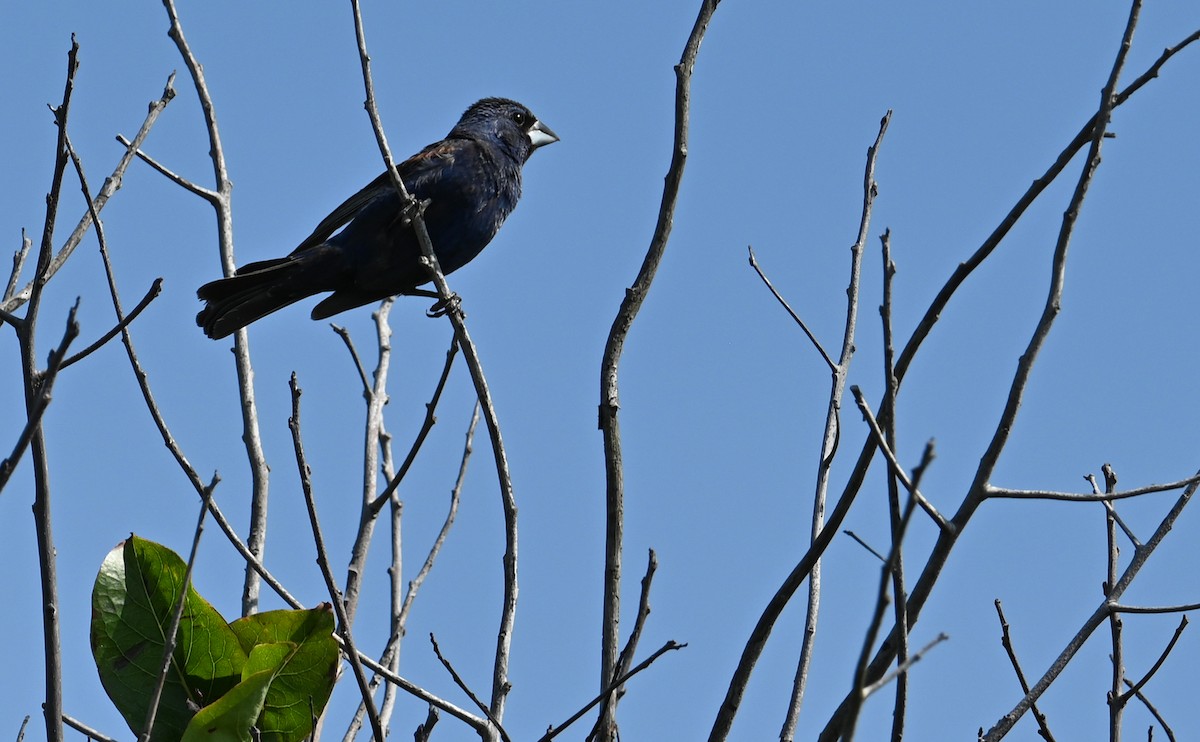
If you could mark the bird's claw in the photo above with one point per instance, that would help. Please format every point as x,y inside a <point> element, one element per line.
<point>444,306</point>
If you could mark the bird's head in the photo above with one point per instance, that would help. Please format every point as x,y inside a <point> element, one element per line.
<point>507,123</point>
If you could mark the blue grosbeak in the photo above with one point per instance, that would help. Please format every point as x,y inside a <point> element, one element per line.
<point>472,179</point>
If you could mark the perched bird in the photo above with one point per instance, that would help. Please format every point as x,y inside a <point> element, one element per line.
<point>472,180</point>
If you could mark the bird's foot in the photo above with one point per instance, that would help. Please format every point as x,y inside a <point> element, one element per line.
<point>444,306</point>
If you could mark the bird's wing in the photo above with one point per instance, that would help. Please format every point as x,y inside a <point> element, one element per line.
<point>414,169</point>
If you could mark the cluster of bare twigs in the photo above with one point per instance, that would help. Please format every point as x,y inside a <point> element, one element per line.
<point>887,653</point>
<point>894,650</point>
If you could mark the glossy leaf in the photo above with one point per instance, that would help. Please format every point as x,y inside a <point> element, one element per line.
<point>306,666</point>
<point>232,716</point>
<point>132,602</point>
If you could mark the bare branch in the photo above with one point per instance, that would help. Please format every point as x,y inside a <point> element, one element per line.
<point>891,387</point>
<point>614,346</point>
<point>1115,624</point>
<point>1118,608</point>
<point>52,708</point>
<point>993,492</point>
<point>323,562</point>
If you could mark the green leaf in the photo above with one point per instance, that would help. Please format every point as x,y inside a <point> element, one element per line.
<point>301,645</point>
<point>132,602</point>
<point>231,717</point>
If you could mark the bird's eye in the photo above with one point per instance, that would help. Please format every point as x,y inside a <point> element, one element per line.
<point>519,117</point>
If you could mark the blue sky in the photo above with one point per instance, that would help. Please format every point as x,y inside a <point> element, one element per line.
<point>722,397</point>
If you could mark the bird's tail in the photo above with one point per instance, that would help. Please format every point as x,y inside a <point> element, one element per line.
<point>259,289</point>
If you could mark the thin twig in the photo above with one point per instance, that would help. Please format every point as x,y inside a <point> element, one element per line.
<point>11,319</point>
<point>155,288</point>
<point>14,278</point>
<point>1115,707</point>
<point>882,599</point>
<point>391,650</point>
<point>462,685</point>
<point>895,512</point>
<point>635,636</point>
<point>401,607</point>
<point>414,585</point>
<point>205,193</point>
<point>478,723</point>
<point>92,734</point>
<point>151,295</point>
<point>913,659</point>
<point>1136,687</point>
<point>177,615</point>
<point>936,309</point>
<point>41,401</point>
<point>426,425</point>
<point>323,562</point>
<point>376,398</point>
<point>893,464</point>
<point>865,545</point>
<point>604,693</point>
<point>1155,713</point>
<point>1006,642</point>
<point>791,312</point>
<point>1053,302</point>
<point>1111,486</point>
<point>344,334</point>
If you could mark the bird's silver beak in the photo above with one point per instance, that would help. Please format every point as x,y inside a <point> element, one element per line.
<point>540,135</point>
